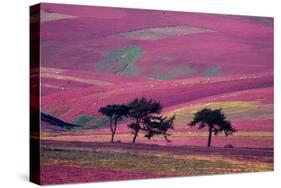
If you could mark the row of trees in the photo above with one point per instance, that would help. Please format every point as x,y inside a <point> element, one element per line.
<point>145,115</point>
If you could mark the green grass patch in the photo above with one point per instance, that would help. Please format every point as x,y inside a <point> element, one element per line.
<point>91,122</point>
<point>213,71</point>
<point>121,61</point>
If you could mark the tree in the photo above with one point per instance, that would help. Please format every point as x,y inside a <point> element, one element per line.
<point>158,125</point>
<point>116,113</point>
<point>139,110</point>
<point>215,120</point>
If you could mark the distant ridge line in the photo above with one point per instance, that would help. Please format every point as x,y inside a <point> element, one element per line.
<point>57,122</point>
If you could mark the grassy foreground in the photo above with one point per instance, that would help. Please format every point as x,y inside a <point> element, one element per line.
<point>84,161</point>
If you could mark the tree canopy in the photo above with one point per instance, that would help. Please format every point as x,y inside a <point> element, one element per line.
<point>139,110</point>
<point>116,113</point>
<point>143,115</point>
<point>158,125</point>
<point>214,120</point>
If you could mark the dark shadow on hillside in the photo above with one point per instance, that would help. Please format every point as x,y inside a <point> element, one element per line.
<point>57,122</point>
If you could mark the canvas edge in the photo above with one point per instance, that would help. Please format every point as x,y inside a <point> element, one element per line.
<point>34,95</point>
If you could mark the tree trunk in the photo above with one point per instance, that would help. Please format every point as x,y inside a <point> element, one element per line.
<point>112,137</point>
<point>210,138</point>
<point>113,131</point>
<point>135,136</point>
<point>136,131</point>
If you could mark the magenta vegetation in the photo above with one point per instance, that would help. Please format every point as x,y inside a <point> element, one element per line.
<point>94,57</point>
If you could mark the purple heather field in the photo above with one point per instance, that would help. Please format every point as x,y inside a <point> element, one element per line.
<point>95,56</point>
